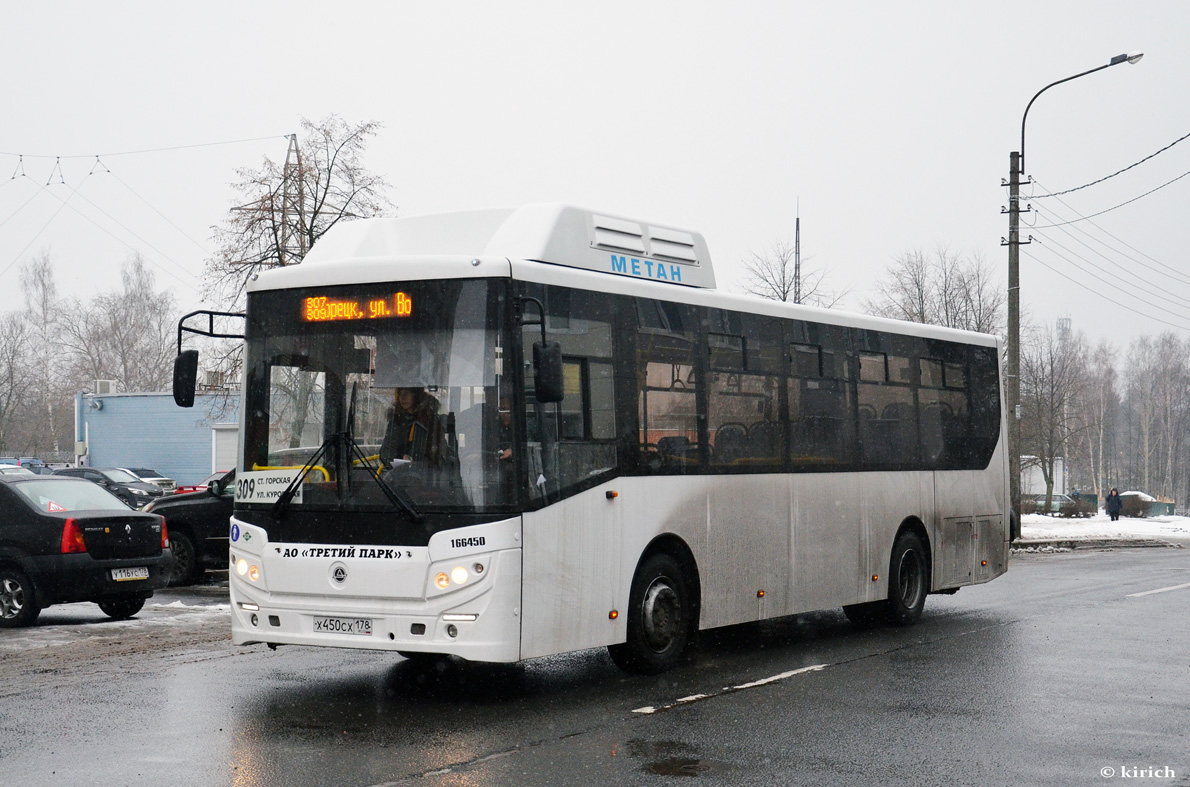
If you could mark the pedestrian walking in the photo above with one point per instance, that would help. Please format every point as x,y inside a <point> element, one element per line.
<point>1113,504</point>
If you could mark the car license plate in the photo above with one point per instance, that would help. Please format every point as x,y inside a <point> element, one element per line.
<point>125,574</point>
<point>361,626</point>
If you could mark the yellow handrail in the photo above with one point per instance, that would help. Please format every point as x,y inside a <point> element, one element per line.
<point>326,476</point>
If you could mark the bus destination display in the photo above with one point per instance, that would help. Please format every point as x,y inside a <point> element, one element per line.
<point>323,309</point>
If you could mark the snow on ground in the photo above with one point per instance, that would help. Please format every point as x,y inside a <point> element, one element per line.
<point>1161,528</point>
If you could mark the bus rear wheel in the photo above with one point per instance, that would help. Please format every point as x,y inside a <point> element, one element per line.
<point>660,611</point>
<point>908,580</point>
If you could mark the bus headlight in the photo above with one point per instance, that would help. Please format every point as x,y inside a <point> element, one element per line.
<point>459,575</point>
<point>250,570</point>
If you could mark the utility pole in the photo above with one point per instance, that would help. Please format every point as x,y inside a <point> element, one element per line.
<point>1012,364</point>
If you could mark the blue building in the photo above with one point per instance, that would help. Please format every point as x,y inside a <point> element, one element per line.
<point>149,430</point>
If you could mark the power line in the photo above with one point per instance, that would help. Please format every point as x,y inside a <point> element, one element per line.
<point>146,150</point>
<point>43,226</point>
<point>1122,204</point>
<point>1121,172</point>
<point>120,180</point>
<point>1176,274</point>
<point>1101,295</point>
<point>130,232</point>
<point>1154,294</point>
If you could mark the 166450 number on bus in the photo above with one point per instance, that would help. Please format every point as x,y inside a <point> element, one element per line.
<point>362,626</point>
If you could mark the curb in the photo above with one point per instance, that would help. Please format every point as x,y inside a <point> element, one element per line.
<point>1050,544</point>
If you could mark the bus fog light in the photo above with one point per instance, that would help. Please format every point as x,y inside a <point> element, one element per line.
<point>459,575</point>
<point>452,631</point>
<point>255,620</point>
<point>442,580</point>
<point>241,567</point>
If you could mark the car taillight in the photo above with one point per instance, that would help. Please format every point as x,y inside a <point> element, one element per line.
<point>164,533</point>
<point>72,538</point>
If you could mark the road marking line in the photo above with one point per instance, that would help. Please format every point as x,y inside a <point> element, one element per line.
<point>1158,590</point>
<point>776,678</point>
<point>729,689</point>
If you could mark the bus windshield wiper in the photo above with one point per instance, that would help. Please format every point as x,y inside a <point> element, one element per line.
<point>286,496</point>
<point>398,497</point>
<point>341,446</point>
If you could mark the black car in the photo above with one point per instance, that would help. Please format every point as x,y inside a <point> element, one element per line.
<point>124,485</point>
<point>198,525</point>
<point>64,540</point>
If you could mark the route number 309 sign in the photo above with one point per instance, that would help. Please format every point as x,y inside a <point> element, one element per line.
<point>265,486</point>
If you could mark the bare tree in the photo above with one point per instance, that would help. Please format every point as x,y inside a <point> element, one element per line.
<point>49,383</point>
<point>294,199</point>
<point>1097,410</point>
<point>126,336</point>
<point>1051,383</point>
<point>774,275</point>
<point>942,288</point>
<point>15,380</point>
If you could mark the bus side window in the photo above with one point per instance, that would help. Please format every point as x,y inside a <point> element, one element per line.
<point>578,445</point>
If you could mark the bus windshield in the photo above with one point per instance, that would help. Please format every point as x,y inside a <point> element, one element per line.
<point>392,394</point>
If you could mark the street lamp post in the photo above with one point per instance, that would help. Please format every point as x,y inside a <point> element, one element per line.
<point>1012,364</point>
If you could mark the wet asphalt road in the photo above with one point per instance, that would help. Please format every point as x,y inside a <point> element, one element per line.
<point>1049,675</point>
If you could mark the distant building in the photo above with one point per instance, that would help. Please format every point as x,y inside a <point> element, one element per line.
<point>1033,482</point>
<point>149,430</point>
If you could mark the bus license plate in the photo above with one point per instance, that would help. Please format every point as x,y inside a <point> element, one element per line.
<point>125,574</point>
<point>361,626</point>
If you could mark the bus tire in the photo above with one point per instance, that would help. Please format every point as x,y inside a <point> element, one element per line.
<point>660,612</point>
<point>908,579</point>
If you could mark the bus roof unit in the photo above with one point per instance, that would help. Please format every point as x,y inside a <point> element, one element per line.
<point>552,233</point>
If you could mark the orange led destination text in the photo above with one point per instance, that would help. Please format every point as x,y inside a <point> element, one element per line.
<point>323,309</point>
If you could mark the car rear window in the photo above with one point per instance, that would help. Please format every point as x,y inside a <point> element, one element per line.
<point>69,495</point>
<point>145,472</point>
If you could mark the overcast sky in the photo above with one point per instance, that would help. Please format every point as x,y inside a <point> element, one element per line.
<point>890,123</point>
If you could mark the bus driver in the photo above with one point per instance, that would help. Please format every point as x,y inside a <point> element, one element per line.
<point>411,423</point>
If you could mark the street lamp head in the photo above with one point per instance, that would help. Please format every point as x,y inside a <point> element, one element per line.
<point>1131,57</point>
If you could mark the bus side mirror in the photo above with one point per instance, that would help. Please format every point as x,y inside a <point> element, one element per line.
<point>547,364</point>
<point>185,377</point>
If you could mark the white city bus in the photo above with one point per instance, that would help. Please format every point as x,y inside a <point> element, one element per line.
<point>604,450</point>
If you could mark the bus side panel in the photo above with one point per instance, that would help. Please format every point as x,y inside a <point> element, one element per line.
<point>827,531</point>
<point>887,500</point>
<point>972,524</point>
<point>748,545</point>
<point>571,573</point>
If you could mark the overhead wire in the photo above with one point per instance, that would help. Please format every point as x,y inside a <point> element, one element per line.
<point>1175,277</point>
<point>19,171</point>
<point>1122,204</point>
<point>44,226</point>
<point>1149,315</point>
<point>146,150</point>
<point>1176,274</point>
<point>1155,294</point>
<point>130,232</point>
<point>152,207</point>
<point>1109,177</point>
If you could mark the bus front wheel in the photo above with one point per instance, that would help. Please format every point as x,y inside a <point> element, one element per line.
<point>659,615</point>
<point>908,580</point>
